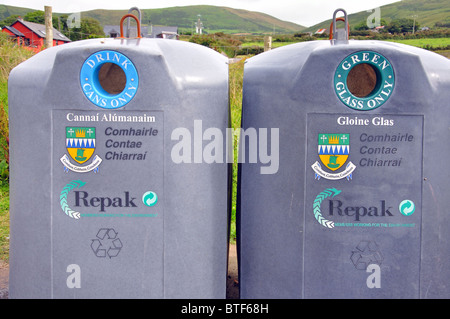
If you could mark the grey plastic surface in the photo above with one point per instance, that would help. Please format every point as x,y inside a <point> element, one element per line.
<point>120,248</point>
<point>373,251</point>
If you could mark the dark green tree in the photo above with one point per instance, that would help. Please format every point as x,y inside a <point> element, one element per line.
<point>363,25</point>
<point>37,16</point>
<point>8,21</point>
<point>89,28</point>
<point>402,26</point>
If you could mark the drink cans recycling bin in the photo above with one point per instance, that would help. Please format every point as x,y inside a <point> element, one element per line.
<point>114,193</point>
<point>357,205</point>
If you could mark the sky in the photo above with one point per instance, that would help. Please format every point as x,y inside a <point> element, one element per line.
<point>303,12</point>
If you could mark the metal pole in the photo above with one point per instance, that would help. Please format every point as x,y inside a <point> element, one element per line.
<point>414,23</point>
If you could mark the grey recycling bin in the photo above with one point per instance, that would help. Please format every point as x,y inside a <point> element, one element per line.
<point>354,200</point>
<point>110,195</point>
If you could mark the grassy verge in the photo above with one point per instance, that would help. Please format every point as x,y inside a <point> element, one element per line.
<point>4,221</point>
<point>427,43</point>
<point>445,53</point>
<point>236,73</point>
<point>261,44</point>
<point>10,56</point>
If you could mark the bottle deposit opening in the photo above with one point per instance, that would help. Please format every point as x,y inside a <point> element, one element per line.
<point>112,78</point>
<point>362,80</point>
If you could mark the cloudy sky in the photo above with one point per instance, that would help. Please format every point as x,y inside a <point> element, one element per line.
<point>304,12</point>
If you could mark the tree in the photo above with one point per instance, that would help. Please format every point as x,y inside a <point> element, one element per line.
<point>39,17</point>
<point>402,26</point>
<point>92,28</point>
<point>9,20</point>
<point>35,16</point>
<point>363,25</point>
<point>441,24</point>
<point>89,28</point>
<point>394,27</point>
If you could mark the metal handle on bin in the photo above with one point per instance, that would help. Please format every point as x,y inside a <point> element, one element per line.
<point>128,20</point>
<point>346,30</point>
<point>129,15</point>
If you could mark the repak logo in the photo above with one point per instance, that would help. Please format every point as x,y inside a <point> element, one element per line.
<point>84,200</point>
<point>337,208</point>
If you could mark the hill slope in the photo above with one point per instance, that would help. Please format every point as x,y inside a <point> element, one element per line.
<point>6,11</point>
<point>428,13</point>
<point>214,18</point>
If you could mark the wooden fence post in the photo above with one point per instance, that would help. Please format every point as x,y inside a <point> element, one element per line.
<point>48,27</point>
<point>267,43</point>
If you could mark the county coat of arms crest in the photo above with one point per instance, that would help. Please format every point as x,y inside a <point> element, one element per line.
<point>333,151</point>
<point>80,145</point>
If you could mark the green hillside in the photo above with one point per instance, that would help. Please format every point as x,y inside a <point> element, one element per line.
<point>428,12</point>
<point>214,18</point>
<point>228,20</point>
<point>6,11</point>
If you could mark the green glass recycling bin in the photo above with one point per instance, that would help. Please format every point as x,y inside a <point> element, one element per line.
<point>356,206</point>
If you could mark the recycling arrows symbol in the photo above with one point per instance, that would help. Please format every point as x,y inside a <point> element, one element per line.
<point>107,243</point>
<point>366,253</point>
<point>318,201</point>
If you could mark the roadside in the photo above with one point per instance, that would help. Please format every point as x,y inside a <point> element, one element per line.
<point>232,278</point>
<point>4,280</point>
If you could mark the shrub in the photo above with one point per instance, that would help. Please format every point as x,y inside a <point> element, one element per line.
<point>10,56</point>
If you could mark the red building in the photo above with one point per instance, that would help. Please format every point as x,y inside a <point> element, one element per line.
<point>32,35</point>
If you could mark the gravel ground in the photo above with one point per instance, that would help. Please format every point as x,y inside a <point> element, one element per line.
<point>4,279</point>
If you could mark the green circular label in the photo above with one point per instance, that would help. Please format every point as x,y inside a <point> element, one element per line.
<point>364,80</point>
<point>407,207</point>
<point>149,198</point>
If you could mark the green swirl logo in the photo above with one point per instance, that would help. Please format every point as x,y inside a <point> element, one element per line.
<point>63,198</point>
<point>318,201</point>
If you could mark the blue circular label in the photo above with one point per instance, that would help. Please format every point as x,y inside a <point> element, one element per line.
<point>384,84</point>
<point>92,86</point>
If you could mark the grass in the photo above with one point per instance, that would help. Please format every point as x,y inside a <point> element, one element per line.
<point>4,221</point>
<point>426,42</point>
<point>261,44</point>
<point>10,56</point>
<point>445,53</point>
<point>236,74</point>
